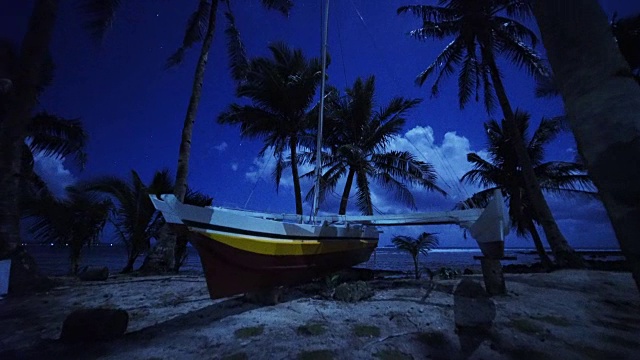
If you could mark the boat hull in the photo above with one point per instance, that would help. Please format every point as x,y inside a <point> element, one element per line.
<point>230,271</point>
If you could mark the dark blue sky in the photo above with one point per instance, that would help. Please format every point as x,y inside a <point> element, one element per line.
<point>133,109</point>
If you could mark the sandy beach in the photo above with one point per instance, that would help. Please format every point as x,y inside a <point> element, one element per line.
<point>569,314</point>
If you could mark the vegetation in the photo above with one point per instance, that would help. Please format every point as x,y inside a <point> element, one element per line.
<point>316,355</point>
<point>502,172</point>
<point>73,222</point>
<point>135,219</point>
<point>281,91</point>
<point>247,332</point>
<point>424,243</point>
<point>481,33</point>
<point>357,137</point>
<point>613,104</point>
<point>312,329</point>
<point>366,331</point>
<point>392,354</point>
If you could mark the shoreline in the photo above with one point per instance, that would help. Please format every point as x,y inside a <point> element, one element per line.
<point>569,314</point>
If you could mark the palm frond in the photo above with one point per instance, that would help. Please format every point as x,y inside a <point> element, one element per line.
<point>238,61</point>
<point>54,136</point>
<point>195,31</point>
<point>283,6</point>
<point>99,15</point>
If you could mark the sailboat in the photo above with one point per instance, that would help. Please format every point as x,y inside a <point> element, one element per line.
<point>246,251</point>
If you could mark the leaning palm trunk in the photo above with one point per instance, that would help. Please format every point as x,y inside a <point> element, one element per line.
<point>293,143</point>
<point>345,193</point>
<point>162,257</point>
<point>602,102</point>
<point>564,254</point>
<point>35,45</point>
<point>544,258</point>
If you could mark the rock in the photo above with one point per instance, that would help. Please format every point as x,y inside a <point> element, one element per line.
<point>94,273</point>
<point>472,306</point>
<point>96,324</point>
<point>353,292</point>
<point>467,272</point>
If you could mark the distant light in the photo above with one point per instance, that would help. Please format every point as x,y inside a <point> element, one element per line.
<point>110,244</point>
<point>51,244</point>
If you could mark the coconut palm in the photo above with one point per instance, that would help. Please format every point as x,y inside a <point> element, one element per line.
<point>135,219</point>
<point>282,91</point>
<point>501,171</point>
<point>358,136</point>
<point>602,108</point>
<point>424,243</point>
<point>482,30</point>
<point>74,222</point>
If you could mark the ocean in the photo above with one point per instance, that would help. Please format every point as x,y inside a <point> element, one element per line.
<point>54,260</point>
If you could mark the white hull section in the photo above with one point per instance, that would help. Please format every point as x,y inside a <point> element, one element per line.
<point>490,224</point>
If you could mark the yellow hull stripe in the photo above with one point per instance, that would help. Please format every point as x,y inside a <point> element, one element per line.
<point>287,247</point>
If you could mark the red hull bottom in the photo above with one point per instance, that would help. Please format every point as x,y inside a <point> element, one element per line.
<point>230,271</point>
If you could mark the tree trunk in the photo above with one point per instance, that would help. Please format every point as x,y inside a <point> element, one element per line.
<point>602,102</point>
<point>345,192</point>
<point>190,118</point>
<point>34,48</point>
<point>564,254</point>
<point>180,252</point>
<point>130,261</point>
<point>415,267</point>
<point>544,258</point>
<point>158,258</point>
<point>293,144</point>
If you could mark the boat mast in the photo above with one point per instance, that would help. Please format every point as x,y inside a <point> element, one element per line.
<point>316,193</point>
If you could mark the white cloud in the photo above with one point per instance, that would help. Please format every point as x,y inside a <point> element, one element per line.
<point>53,172</point>
<point>234,166</point>
<point>222,146</point>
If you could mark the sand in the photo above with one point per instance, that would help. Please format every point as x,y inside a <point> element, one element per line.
<point>569,314</point>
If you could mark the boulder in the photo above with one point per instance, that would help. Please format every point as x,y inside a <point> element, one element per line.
<point>472,306</point>
<point>467,272</point>
<point>353,292</point>
<point>94,273</point>
<point>97,324</point>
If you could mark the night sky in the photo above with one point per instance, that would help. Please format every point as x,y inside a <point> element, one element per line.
<point>133,109</point>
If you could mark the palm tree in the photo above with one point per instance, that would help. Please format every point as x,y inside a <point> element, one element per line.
<point>281,90</point>
<point>481,33</point>
<point>73,222</point>
<point>627,34</point>
<point>424,243</point>
<point>135,218</point>
<point>358,136</point>
<point>501,171</point>
<point>602,108</point>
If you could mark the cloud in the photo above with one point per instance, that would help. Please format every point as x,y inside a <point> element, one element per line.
<point>52,170</point>
<point>234,166</point>
<point>222,146</point>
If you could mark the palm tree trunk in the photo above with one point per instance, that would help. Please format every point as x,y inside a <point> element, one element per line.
<point>293,144</point>
<point>346,191</point>
<point>602,102</point>
<point>187,130</point>
<point>544,258</point>
<point>562,251</point>
<point>35,45</point>
<point>415,267</point>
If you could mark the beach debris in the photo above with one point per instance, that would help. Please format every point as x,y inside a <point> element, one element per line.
<point>448,273</point>
<point>94,273</point>
<point>94,324</point>
<point>353,292</point>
